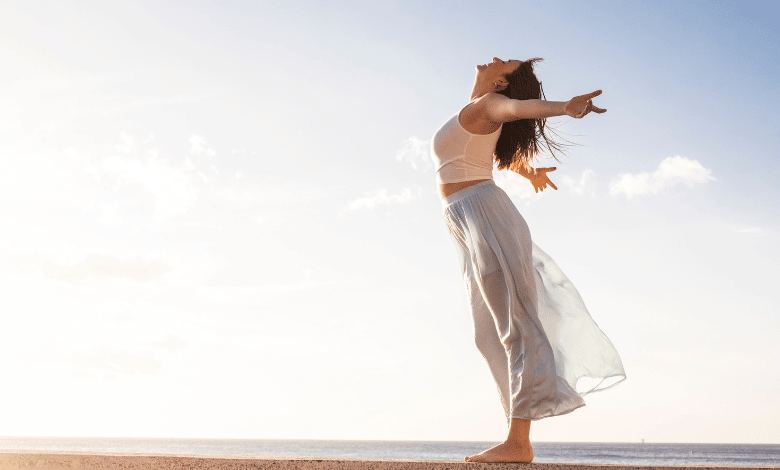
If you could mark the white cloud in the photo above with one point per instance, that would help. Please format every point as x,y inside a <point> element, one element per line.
<point>582,186</point>
<point>515,185</point>
<point>672,171</point>
<point>101,265</point>
<point>747,230</point>
<point>173,185</point>
<point>108,361</point>
<point>127,143</point>
<point>382,197</point>
<point>415,153</point>
<point>125,351</point>
<point>198,146</point>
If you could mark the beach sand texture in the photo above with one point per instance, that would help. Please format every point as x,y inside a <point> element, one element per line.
<point>95,461</point>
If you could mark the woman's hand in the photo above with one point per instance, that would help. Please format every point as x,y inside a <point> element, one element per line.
<point>540,180</point>
<point>579,106</point>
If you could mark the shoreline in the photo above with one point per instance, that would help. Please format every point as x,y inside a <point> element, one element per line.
<point>48,460</point>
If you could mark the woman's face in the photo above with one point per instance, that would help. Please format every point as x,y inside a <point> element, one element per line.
<point>498,67</point>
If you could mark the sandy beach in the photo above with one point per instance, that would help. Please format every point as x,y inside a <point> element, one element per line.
<point>104,461</point>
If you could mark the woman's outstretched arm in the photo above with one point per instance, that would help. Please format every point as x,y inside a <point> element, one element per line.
<point>499,108</point>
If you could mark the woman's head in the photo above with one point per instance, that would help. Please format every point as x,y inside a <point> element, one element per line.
<point>494,73</point>
<point>522,140</point>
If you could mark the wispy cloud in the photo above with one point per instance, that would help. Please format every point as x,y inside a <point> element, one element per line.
<point>175,184</point>
<point>415,152</point>
<point>126,144</point>
<point>746,229</point>
<point>126,354</point>
<point>584,185</point>
<point>515,185</point>
<point>198,146</point>
<point>101,265</point>
<point>382,197</point>
<point>672,171</point>
<point>109,361</point>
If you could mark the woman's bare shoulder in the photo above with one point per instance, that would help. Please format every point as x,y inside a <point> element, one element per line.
<point>476,109</point>
<point>491,98</point>
<point>484,108</point>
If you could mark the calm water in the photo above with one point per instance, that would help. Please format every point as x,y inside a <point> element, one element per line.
<point>551,452</point>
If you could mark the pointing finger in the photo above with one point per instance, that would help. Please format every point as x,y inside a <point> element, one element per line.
<point>594,94</point>
<point>552,185</point>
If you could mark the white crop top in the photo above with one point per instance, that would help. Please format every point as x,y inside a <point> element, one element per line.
<point>460,156</point>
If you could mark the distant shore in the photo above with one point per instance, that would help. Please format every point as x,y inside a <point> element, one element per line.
<point>110,461</point>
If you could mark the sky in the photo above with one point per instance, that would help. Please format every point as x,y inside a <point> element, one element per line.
<point>220,219</point>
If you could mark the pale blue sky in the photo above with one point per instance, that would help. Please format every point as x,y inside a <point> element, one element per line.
<point>220,219</point>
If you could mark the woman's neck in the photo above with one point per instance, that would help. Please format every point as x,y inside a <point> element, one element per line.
<point>480,89</point>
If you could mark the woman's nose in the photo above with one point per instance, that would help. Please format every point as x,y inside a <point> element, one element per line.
<point>496,59</point>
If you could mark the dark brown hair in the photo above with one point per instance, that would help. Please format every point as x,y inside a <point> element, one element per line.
<point>523,139</point>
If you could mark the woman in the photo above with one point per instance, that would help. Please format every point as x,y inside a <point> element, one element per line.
<point>542,347</point>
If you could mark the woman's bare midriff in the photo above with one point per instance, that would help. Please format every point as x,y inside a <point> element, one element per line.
<point>448,189</point>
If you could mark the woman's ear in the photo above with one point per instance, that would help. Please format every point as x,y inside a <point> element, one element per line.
<point>500,83</point>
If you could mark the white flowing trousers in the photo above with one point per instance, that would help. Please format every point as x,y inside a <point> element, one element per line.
<point>544,350</point>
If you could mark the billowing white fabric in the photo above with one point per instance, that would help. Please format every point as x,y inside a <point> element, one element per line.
<point>542,346</point>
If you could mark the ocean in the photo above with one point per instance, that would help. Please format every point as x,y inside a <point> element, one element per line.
<point>743,455</point>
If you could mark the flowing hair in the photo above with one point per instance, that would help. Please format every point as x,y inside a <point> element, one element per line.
<point>522,140</point>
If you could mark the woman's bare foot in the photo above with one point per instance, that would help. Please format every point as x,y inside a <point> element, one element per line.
<point>507,451</point>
